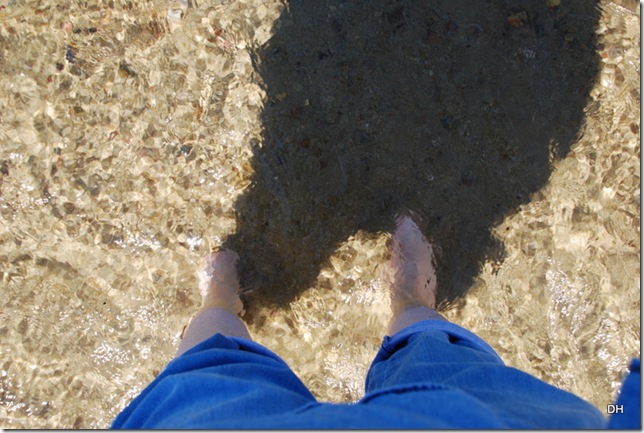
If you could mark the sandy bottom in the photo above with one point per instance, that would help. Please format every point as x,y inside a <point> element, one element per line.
<point>136,136</point>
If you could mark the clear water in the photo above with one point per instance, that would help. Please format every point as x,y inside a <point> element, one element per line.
<point>136,136</point>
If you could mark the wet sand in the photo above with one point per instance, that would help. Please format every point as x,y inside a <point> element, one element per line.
<point>137,136</point>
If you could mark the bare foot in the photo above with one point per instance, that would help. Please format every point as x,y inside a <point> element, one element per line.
<point>410,271</point>
<point>219,283</point>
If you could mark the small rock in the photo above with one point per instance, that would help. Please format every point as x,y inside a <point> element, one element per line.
<point>126,71</point>
<point>70,55</point>
<point>185,149</point>
<point>518,19</point>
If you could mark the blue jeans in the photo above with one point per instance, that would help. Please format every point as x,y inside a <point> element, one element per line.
<point>433,374</point>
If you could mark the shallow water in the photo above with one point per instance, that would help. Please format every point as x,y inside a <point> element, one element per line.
<point>136,136</point>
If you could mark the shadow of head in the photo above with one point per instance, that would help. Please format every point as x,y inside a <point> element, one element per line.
<point>453,109</point>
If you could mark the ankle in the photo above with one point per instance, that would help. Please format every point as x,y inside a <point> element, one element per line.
<point>411,315</point>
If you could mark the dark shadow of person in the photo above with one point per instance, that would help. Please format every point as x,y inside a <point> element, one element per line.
<point>453,109</point>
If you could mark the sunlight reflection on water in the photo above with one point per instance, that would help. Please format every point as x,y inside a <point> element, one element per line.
<point>102,232</point>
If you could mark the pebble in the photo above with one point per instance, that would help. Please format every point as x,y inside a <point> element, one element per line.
<point>518,19</point>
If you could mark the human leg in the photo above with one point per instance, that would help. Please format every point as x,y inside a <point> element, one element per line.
<point>219,377</point>
<point>410,274</point>
<point>426,355</point>
<point>221,305</point>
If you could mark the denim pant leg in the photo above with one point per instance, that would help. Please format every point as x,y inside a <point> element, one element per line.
<point>219,383</point>
<point>428,351</point>
<point>436,354</point>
